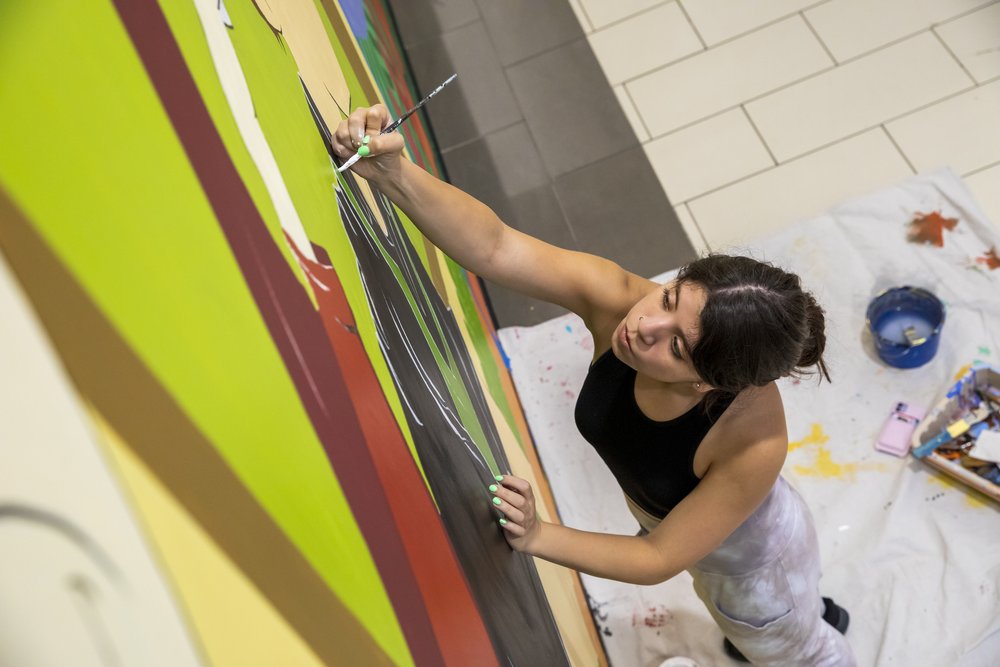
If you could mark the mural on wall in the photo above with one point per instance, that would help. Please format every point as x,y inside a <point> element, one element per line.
<point>281,406</point>
<point>371,23</point>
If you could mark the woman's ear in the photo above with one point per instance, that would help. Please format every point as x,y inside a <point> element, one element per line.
<point>703,387</point>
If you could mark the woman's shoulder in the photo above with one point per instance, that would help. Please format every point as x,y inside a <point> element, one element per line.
<point>750,437</point>
<point>755,414</point>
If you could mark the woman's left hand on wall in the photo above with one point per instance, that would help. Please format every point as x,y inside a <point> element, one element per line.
<point>517,504</point>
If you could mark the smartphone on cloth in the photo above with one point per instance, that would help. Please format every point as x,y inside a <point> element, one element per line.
<point>898,429</point>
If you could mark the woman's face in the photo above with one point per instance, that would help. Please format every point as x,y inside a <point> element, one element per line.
<point>656,335</point>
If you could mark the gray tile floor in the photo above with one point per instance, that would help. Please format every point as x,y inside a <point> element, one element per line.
<point>534,130</point>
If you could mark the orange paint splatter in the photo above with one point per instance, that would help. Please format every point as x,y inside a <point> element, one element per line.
<point>930,228</point>
<point>990,259</point>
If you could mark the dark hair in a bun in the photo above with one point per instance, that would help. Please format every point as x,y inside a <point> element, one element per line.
<point>758,324</point>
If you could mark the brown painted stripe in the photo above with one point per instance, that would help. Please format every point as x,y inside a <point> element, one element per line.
<point>108,374</point>
<point>346,39</point>
<point>293,323</point>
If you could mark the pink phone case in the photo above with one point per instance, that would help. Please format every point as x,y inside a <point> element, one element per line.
<point>895,436</point>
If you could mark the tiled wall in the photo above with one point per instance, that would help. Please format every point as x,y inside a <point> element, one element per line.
<point>753,114</point>
<point>758,114</point>
<point>532,128</point>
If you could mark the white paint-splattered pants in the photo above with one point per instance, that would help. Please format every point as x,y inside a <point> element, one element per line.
<point>762,586</point>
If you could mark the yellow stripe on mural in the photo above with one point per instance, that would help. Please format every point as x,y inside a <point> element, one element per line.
<point>235,623</point>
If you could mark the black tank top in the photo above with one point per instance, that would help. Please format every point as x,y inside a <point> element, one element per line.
<point>653,461</point>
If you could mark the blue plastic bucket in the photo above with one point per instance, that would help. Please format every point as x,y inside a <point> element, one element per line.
<point>906,325</point>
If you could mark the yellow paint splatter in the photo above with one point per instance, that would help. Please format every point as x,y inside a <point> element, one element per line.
<point>824,465</point>
<point>961,372</point>
<point>973,498</point>
<point>815,437</point>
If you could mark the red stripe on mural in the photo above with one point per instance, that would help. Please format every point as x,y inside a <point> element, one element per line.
<point>294,325</point>
<point>456,620</point>
<point>393,59</point>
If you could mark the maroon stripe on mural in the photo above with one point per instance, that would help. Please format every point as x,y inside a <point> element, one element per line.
<point>457,623</point>
<point>294,325</point>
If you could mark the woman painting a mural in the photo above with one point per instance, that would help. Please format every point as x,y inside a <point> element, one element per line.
<point>681,403</point>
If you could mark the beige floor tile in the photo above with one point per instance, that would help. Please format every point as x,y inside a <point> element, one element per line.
<point>707,155</point>
<point>798,190</point>
<point>718,20</point>
<point>975,40</point>
<point>644,42</point>
<point>985,186</point>
<point>727,75</point>
<point>852,27</point>
<point>603,12</point>
<point>633,116</point>
<point>581,16</point>
<point>692,231</point>
<point>856,96</point>
<point>962,132</point>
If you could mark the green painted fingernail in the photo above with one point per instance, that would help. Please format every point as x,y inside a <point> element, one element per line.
<point>503,522</point>
<point>364,151</point>
<point>365,141</point>
<point>493,488</point>
<point>497,501</point>
<point>498,478</point>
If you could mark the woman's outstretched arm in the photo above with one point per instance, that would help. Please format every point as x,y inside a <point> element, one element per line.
<point>470,232</point>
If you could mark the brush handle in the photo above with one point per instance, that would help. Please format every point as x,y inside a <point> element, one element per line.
<point>932,444</point>
<point>391,127</point>
<point>350,163</point>
<point>394,125</point>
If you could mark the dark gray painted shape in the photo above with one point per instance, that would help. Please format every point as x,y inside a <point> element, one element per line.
<point>504,583</point>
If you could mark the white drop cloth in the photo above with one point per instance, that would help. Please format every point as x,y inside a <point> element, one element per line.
<point>913,556</point>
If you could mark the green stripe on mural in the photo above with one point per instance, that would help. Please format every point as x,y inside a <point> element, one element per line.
<point>483,347</point>
<point>272,77</point>
<point>186,27</point>
<point>89,155</point>
<point>375,54</point>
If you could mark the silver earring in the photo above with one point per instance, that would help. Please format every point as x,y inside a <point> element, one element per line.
<point>697,385</point>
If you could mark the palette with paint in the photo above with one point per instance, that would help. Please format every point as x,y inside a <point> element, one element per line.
<point>960,435</point>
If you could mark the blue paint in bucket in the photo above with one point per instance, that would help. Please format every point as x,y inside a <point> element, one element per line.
<point>906,325</point>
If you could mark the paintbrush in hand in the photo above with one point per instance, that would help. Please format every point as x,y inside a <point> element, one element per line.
<point>394,125</point>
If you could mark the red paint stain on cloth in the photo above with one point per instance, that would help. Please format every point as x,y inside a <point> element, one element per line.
<point>990,259</point>
<point>654,617</point>
<point>930,228</point>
